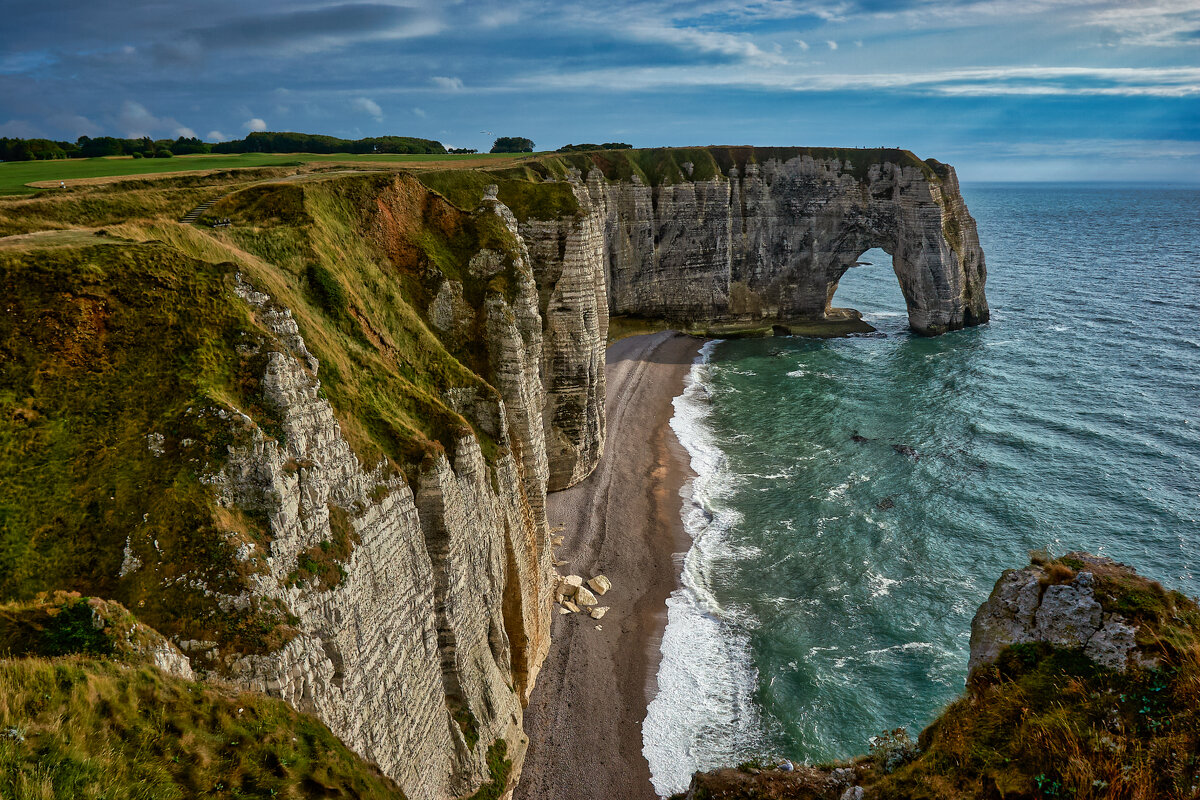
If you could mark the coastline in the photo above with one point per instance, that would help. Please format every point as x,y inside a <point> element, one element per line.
<point>584,718</point>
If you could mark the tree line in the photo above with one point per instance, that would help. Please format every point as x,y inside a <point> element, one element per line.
<point>258,142</point>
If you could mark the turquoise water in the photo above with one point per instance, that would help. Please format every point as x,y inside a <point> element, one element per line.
<point>856,499</point>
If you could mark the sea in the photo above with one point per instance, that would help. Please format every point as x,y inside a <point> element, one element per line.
<point>855,499</point>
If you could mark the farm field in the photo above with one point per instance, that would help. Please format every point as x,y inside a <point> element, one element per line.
<point>15,176</point>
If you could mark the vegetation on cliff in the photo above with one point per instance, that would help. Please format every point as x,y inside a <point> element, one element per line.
<point>1039,722</point>
<point>83,714</point>
<point>128,359</point>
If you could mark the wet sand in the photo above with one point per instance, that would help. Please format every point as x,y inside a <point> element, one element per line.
<point>584,719</point>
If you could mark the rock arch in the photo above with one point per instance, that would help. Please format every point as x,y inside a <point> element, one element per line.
<point>769,239</point>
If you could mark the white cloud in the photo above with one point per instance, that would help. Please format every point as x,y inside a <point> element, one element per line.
<point>981,81</point>
<point>368,107</point>
<point>136,121</point>
<point>447,83</point>
<point>832,44</point>
<point>420,112</point>
<point>254,124</point>
<point>858,42</point>
<point>803,44</point>
<point>216,136</point>
<point>1160,23</point>
<point>735,45</point>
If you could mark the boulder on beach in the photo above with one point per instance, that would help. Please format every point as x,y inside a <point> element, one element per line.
<point>584,597</point>
<point>598,612</point>
<point>600,585</point>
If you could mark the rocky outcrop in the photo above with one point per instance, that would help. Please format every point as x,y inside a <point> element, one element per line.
<point>1029,605</point>
<point>407,657</point>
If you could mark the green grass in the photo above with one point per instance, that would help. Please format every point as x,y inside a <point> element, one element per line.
<point>103,348</point>
<point>14,175</point>
<point>107,347</point>
<point>88,728</point>
<point>96,720</point>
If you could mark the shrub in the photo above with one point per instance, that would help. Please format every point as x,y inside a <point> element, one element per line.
<point>327,290</point>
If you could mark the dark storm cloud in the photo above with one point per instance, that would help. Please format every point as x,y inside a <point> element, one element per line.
<point>335,24</point>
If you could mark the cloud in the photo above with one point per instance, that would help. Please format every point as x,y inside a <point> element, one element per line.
<point>831,43</point>
<point>803,44</point>
<point>420,112</point>
<point>135,121</point>
<point>1162,23</point>
<point>216,136</point>
<point>19,129</point>
<point>979,81</point>
<point>367,106</point>
<point>312,30</point>
<point>254,124</point>
<point>447,84</point>
<point>732,45</point>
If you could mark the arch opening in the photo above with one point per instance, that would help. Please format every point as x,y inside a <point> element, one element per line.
<point>871,287</point>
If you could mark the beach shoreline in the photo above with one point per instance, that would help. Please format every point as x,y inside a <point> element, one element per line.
<point>584,719</point>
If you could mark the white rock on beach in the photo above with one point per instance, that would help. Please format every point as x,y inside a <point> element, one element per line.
<point>598,612</point>
<point>600,585</point>
<point>573,580</point>
<point>584,598</point>
<point>569,606</point>
<point>564,610</point>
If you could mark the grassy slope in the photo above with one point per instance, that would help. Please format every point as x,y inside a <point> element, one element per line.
<point>105,346</point>
<point>14,175</point>
<point>82,716</point>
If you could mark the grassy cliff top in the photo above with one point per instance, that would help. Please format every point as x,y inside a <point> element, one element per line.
<point>534,187</point>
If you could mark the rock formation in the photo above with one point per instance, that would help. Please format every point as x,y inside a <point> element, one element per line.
<point>1028,605</point>
<point>409,604</point>
<point>763,238</point>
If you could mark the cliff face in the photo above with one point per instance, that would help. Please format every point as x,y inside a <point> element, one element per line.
<point>337,495</point>
<point>763,239</point>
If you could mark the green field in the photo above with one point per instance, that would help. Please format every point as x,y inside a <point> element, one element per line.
<point>14,175</point>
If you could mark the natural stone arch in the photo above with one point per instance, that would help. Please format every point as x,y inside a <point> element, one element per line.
<point>872,271</point>
<point>768,240</point>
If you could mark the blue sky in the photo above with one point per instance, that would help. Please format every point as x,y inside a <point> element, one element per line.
<point>1005,90</point>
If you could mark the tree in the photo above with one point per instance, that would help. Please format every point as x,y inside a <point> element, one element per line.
<point>512,144</point>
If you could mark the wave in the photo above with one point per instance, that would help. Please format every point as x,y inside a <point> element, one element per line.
<point>704,714</point>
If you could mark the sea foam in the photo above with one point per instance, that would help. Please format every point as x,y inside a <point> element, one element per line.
<point>704,714</point>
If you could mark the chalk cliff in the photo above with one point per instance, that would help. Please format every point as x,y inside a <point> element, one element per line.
<point>338,497</point>
<point>738,236</point>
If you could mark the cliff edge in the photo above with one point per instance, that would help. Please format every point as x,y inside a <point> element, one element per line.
<point>1084,680</point>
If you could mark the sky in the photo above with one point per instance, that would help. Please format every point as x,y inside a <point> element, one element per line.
<point>1006,90</point>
